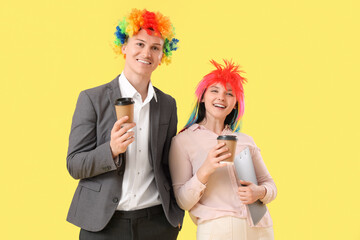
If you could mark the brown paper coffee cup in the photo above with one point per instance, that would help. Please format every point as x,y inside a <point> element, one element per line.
<point>230,143</point>
<point>125,107</point>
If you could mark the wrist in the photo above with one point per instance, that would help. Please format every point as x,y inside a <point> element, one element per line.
<point>113,153</point>
<point>117,161</point>
<point>203,178</point>
<point>262,192</point>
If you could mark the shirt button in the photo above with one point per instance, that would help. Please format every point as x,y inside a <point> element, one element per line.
<point>134,195</point>
<point>115,200</point>
<point>139,150</point>
<point>138,173</point>
<point>140,129</point>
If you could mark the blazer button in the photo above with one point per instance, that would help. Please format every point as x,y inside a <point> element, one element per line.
<point>115,200</point>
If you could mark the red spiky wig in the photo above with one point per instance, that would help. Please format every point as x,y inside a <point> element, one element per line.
<point>228,73</point>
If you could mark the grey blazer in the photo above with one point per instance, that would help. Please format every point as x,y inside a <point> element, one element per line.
<point>89,156</point>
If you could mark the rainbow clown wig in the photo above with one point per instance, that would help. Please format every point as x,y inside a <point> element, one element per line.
<point>228,73</point>
<point>154,23</point>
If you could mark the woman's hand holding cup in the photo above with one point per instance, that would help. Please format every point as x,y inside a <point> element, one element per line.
<point>212,162</point>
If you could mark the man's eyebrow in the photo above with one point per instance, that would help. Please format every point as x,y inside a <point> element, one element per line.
<point>139,39</point>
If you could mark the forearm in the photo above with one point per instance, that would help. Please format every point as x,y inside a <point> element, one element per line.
<point>188,194</point>
<point>87,155</point>
<point>270,192</point>
<point>203,176</point>
<point>264,178</point>
<point>187,188</point>
<point>91,163</point>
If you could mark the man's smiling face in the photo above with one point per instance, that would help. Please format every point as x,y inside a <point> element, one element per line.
<point>143,54</point>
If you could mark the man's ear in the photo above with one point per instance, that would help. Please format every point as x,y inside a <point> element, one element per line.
<point>162,55</point>
<point>123,48</point>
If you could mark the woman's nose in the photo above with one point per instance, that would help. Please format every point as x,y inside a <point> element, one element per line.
<point>221,97</point>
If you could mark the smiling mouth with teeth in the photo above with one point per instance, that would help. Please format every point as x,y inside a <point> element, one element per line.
<point>142,61</point>
<point>218,105</point>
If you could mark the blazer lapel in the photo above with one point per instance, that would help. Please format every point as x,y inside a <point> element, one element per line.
<point>114,93</point>
<point>154,129</point>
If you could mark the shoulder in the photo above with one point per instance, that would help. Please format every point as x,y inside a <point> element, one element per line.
<point>164,97</point>
<point>183,137</point>
<point>183,142</point>
<point>100,90</point>
<point>99,94</point>
<point>244,139</point>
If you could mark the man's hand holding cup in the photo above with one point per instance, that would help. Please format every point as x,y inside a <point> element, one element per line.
<point>121,137</point>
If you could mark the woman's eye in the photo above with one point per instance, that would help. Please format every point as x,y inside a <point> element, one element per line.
<point>230,94</point>
<point>214,91</point>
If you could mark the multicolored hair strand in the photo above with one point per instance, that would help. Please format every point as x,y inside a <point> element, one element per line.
<point>154,23</point>
<point>228,73</point>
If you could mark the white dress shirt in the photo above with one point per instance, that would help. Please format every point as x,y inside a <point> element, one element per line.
<point>138,186</point>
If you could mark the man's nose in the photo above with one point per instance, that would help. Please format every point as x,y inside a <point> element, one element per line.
<point>146,52</point>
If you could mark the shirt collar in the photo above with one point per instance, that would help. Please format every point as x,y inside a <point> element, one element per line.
<point>127,90</point>
<point>151,92</point>
<point>195,126</point>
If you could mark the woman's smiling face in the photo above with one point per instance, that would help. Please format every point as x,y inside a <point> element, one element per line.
<point>219,102</point>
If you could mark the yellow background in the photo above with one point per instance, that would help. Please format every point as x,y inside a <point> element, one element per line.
<point>302,101</point>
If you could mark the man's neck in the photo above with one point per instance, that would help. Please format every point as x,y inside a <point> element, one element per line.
<point>140,83</point>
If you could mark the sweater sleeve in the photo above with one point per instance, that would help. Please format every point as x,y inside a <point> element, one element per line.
<point>263,176</point>
<point>187,187</point>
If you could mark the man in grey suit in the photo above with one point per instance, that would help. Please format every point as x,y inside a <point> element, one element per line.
<point>132,197</point>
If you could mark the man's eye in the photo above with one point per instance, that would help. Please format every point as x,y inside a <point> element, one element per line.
<point>140,44</point>
<point>155,48</point>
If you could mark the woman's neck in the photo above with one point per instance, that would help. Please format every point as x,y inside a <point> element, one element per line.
<point>215,125</point>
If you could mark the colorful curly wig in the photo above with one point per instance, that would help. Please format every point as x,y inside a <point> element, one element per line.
<point>228,73</point>
<point>154,23</point>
